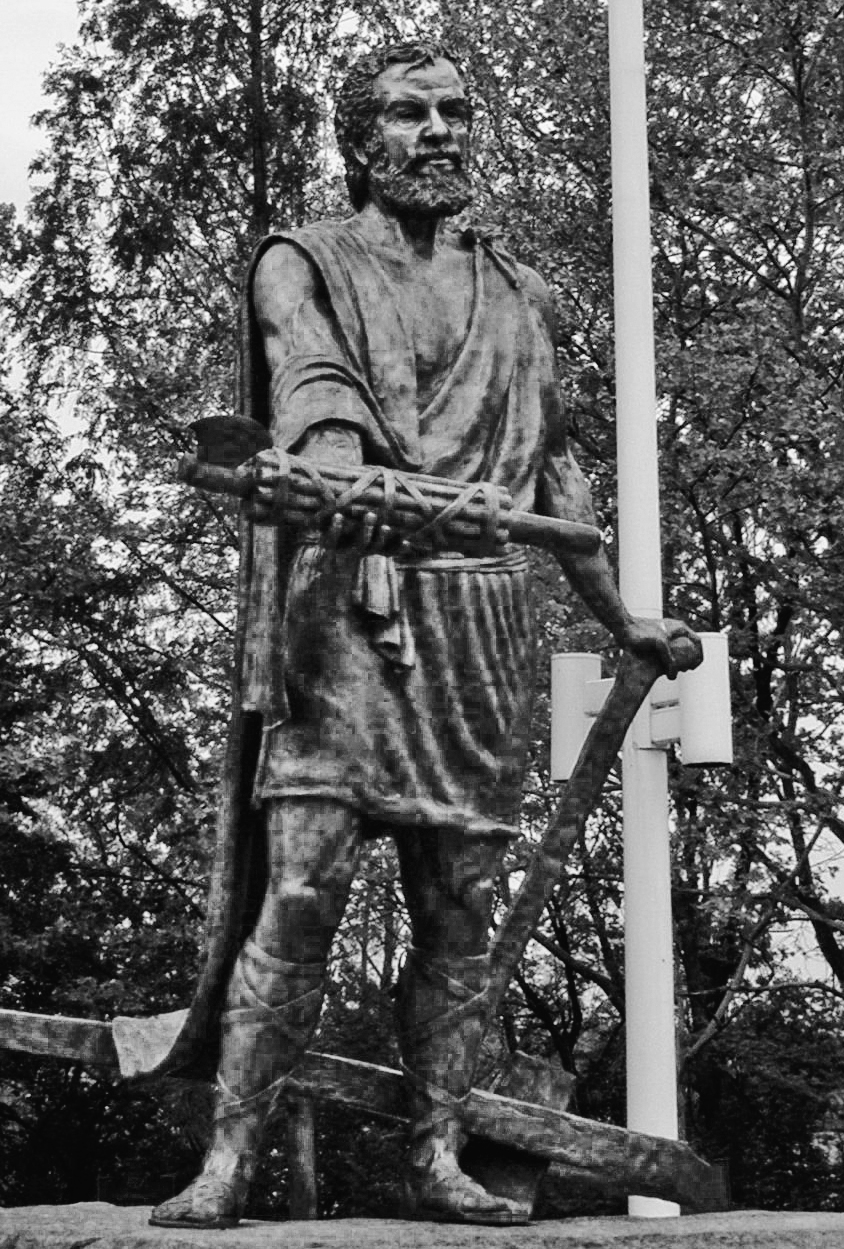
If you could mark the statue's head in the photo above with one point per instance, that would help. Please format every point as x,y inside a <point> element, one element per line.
<point>403,123</point>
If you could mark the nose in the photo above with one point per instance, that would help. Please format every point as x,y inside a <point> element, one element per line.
<point>437,127</point>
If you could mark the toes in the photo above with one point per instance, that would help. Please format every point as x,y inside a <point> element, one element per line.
<point>455,1198</point>
<point>203,1204</point>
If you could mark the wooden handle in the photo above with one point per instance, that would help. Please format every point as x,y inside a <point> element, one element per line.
<point>559,536</point>
<point>215,478</point>
<point>563,537</point>
<point>633,680</point>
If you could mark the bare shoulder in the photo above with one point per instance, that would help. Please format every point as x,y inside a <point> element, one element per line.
<point>539,294</point>
<point>535,287</point>
<point>284,277</point>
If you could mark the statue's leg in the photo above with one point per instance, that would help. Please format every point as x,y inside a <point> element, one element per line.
<point>448,883</point>
<point>273,1000</point>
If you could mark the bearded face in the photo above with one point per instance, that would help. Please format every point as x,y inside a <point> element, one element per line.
<point>437,186</point>
<point>419,146</point>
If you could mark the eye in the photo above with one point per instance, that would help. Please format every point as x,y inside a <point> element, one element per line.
<point>454,111</point>
<point>406,112</point>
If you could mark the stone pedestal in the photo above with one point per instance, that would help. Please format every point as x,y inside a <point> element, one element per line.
<point>101,1226</point>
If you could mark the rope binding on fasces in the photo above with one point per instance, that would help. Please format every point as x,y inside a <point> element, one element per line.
<point>427,513</point>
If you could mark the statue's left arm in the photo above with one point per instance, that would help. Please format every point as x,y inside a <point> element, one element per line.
<point>563,493</point>
<point>592,577</point>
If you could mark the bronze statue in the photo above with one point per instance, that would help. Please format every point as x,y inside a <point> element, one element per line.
<point>383,689</point>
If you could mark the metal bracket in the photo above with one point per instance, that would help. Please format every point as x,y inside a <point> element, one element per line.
<point>692,710</point>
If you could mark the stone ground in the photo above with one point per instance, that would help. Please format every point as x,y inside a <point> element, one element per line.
<point>102,1226</point>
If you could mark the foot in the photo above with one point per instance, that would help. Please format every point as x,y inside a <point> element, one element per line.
<point>209,1202</point>
<point>442,1193</point>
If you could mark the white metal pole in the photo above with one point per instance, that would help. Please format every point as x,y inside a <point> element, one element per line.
<point>649,971</point>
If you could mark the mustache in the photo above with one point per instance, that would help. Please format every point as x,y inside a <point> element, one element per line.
<point>419,162</point>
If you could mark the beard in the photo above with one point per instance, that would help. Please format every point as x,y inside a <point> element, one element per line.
<point>421,192</point>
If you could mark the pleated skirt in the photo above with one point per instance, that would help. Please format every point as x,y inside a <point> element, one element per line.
<point>439,744</point>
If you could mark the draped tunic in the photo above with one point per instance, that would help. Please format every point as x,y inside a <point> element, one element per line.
<point>416,714</point>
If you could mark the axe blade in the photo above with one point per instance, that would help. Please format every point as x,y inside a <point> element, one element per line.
<point>229,440</point>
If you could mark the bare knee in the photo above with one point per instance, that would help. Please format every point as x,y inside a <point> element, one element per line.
<point>449,886</point>
<point>455,921</point>
<point>311,903</point>
<point>313,850</point>
<point>299,918</point>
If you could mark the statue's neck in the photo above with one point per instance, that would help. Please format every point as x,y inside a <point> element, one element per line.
<point>418,235</point>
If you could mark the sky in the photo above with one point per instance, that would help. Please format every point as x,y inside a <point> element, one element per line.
<point>30,31</point>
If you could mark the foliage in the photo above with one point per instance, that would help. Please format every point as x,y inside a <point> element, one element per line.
<point>178,133</point>
<point>746,190</point>
<point>766,1103</point>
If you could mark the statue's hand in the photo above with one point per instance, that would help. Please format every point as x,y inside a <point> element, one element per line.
<point>269,469</point>
<point>673,644</point>
<point>265,470</point>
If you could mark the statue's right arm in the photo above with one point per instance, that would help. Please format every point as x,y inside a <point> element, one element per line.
<point>319,418</point>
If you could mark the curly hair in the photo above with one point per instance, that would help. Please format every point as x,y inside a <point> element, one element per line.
<point>357,106</point>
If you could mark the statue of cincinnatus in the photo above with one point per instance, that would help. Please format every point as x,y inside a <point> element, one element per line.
<point>382,691</point>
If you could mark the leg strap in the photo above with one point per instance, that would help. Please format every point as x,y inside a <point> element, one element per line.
<point>439,994</point>
<point>440,1008</point>
<point>440,1013</point>
<point>272,1010</point>
<point>441,1107</point>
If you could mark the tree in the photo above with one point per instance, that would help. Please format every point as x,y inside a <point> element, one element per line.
<point>746,185</point>
<point>180,131</point>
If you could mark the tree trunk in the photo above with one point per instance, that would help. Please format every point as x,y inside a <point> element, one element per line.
<point>260,202</point>
<point>301,1158</point>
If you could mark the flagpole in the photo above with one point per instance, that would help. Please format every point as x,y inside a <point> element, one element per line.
<point>649,966</point>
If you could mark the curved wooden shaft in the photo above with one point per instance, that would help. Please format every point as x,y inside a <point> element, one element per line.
<point>632,683</point>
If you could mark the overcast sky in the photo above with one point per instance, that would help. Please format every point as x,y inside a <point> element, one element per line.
<point>29,33</point>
